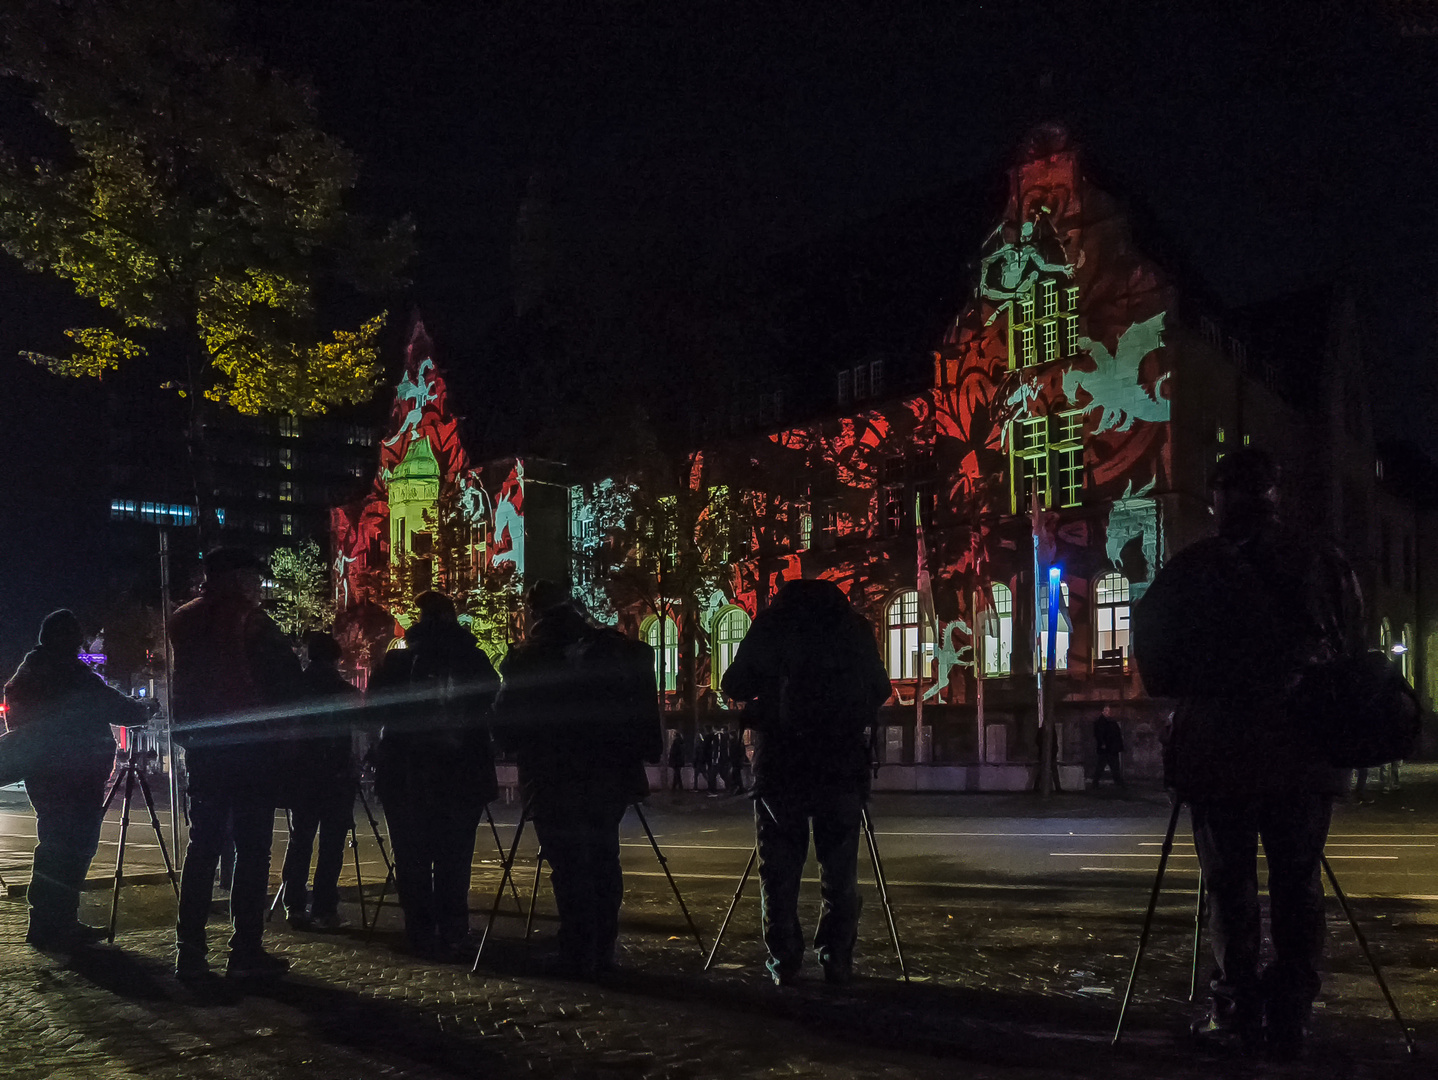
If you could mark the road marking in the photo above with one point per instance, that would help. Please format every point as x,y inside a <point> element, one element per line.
<point>1181,855</point>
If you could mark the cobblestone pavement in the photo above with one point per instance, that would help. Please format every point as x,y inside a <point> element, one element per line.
<point>1005,984</point>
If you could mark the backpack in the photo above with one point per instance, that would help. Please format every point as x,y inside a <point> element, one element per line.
<point>1361,710</point>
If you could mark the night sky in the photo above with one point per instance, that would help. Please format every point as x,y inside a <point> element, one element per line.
<point>677,143</point>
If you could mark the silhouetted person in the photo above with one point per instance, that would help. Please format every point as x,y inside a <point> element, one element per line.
<point>58,701</point>
<point>1227,628</point>
<point>1108,746</point>
<point>578,708</point>
<point>434,772</point>
<point>322,788</point>
<point>230,660</point>
<point>811,665</point>
<point>738,758</point>
<point>676,761</point>
<point>703,753</point>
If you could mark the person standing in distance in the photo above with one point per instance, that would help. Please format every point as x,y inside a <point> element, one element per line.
<point>55,696</point>
<point>230,662</point>
<point>1108,746</point>
<point>811,667</point>
<point>1228,628</point>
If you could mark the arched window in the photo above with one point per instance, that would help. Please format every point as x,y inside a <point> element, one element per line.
<point>999,634</point>
<point>910,648</point>
<point>1061,639</point>
<point>666,656</point>
<point>1385,636</point>
<point>730,626</point>
<point>1111,614</point>
<point>1407,657</point>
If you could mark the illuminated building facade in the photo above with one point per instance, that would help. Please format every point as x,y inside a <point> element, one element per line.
<point>433,519</point>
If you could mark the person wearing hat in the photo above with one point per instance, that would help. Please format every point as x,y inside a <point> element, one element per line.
<point>55,690</point>
<point>434,772</point>
<point>579,708</point>
<point>1227,627</point>
<point>322,783</point>
<point>232,667</point>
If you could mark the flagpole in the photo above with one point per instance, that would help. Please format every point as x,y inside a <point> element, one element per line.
<point>979,660</point>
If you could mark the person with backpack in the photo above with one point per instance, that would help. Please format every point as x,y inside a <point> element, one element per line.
<point>56,703</point>
<point>811,671</point>
<point>434,771</point>
<point>322,785</point>
<point>579,710</point>
<point>1230,628</point>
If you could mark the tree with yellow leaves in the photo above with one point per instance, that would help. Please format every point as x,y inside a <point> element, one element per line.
<point>197,202</point>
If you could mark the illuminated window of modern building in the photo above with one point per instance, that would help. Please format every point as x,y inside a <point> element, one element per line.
<point>290,426</point>
<point>287,457</point>
<point>666,655</point>
<point>1407,656</point>
<point>999,634</point>
<point>1029,461</point>
<point>287,491</point>
<point>1049,298</point>
<point>1051,340</point>
<point>1112,608</point>
<point>1061,638</point>
<point>908,646</point>
<point>730,626</point>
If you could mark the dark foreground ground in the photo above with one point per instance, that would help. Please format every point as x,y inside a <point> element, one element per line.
<point>1018,921</point>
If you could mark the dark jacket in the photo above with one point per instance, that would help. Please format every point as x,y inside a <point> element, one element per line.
<point>1107,735</point>
<point>810,627</point>
<point>581,729</point>
<point>55,698</point>
<point>318,748</point>
<point>1228,627</point>
<point>676,752</point>
<point>435,697</point>
<point>231,662</point>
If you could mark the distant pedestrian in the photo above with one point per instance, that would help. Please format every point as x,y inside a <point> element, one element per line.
<point>811,667</point>
<point>738,758</point>
<point>322,784</point>
<point>703,749</point>
<point>676,761</point>
<point>713,759</point>
<point>1108,745</point>
<point>231,663</point>
<point>1228,627</point>
<point>67,709</point>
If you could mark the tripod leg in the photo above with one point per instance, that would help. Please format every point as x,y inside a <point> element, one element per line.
<point>744,880</point>
<point>883,889</point>
<point>159,833</point>
<point>533,894</point>
<point>499,892</point>
<point>359,881</point>
<point>1147,920</point>
<point>379,904</point>
<point>120,854</point>
<point>499,847</point>
<point>289,839</point>
<point>664,865</point>
<point>1198,912</point>
<point>1368,955</point>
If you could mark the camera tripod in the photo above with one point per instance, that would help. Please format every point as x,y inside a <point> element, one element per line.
<point>389,864</point>
<point>879,880</point>
<point>1199,910</point>
<point>354,849</point>
<point>507,876</point>
<point>131,773</point>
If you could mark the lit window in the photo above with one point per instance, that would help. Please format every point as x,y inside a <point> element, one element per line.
<point>1070,477</point>
<point>1111,616</point>
<point>1026,346</point>
<point>729,630</point>
<point>290,426</point>
<point>1051,340</point>
<point>666,653</point>
<point>1049,294</point>
<point>1070,427</point>
<point>1029,462</point>
<point>999,633</point>
<point>1407,656</point>
<point>909,646</point>
<point>1061,638</point>
<point>287,458</point>
<point>1071,301</point>
<point>287,491</point>
<point>1024,308</point>
<point>1071,335</point>
<point>287,524</point>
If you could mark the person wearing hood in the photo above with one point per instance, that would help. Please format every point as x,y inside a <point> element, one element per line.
<point>811,671</point>
<point>56,695</point>
<point>579,708</point>
<point>434,771</point>
<point>232,667</point>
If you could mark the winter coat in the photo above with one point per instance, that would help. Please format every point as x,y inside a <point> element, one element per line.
<point>64,711</point>
<point>809,625</point>
<point>435,745</point>
<point>1107,736</point>
<point>1228,627</point>
<point>581,736</point>
<point>318,745</point>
